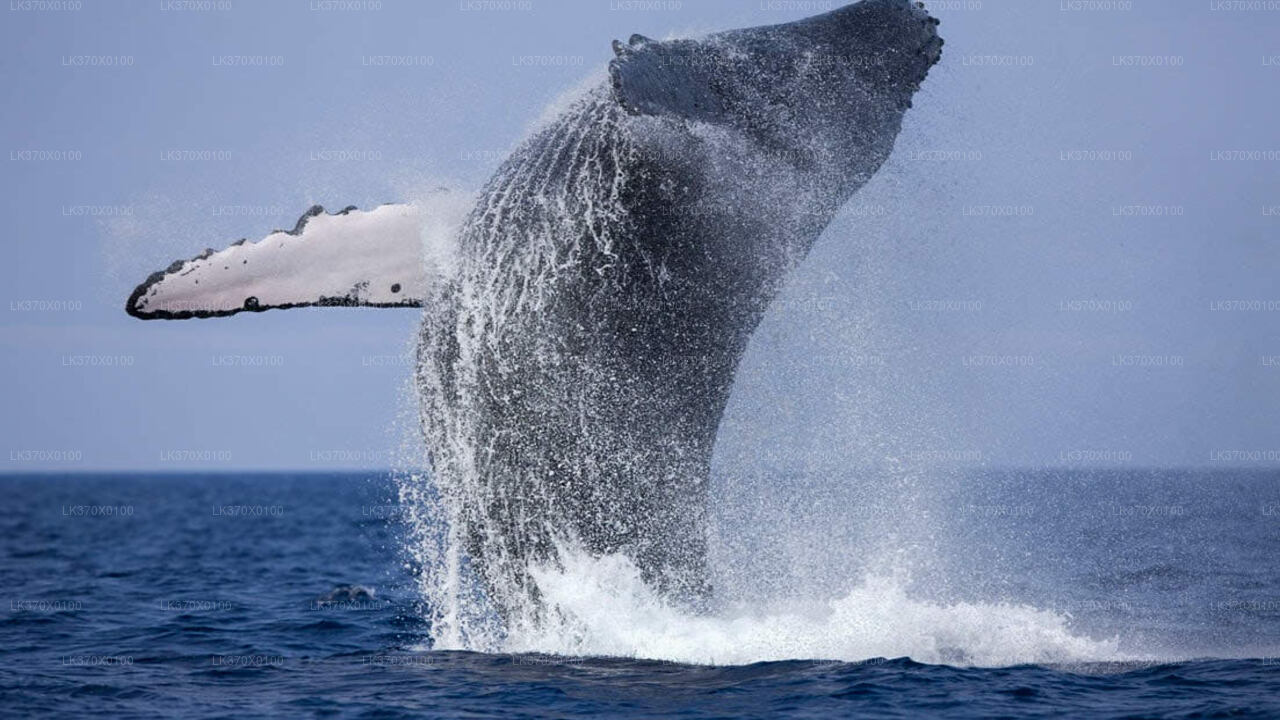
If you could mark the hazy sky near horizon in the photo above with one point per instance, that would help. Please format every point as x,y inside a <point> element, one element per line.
<point>1072,258</point>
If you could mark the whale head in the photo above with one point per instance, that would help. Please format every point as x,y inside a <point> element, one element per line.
<point>827,92</point>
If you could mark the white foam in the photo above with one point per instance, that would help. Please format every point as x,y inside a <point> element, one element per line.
<point>443,213</point>
<point>600,607</point>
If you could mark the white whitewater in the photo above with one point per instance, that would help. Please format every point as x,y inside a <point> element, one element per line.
<point>602,608</point>
<point>599,606</point>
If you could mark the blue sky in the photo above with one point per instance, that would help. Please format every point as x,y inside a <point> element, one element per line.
<point>1070,259</point>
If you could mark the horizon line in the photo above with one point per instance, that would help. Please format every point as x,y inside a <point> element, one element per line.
<point>388,471</point>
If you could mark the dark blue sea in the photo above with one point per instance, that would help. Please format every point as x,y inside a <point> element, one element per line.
<point>1145,594</point>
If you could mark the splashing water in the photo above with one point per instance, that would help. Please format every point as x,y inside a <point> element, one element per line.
<point>601,607</point>
<point>472,521</point>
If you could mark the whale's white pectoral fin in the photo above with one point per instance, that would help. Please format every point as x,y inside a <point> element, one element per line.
<point>368,258</point>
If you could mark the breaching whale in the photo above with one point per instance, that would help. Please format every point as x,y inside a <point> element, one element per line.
<point>578,349</point>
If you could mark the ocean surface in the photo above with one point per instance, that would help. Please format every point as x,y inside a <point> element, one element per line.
<point>1027,594</point>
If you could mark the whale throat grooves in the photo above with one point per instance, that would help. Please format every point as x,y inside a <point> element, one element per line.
<point>573,379</point>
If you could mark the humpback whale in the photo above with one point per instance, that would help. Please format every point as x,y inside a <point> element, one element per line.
<point>578,348</point>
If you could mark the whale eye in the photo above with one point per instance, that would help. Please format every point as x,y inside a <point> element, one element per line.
<point>251,303</point>
<point>395,288</point>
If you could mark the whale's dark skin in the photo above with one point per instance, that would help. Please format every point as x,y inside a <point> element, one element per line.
<point>574,372</point>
